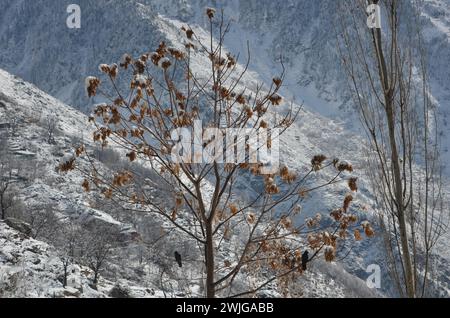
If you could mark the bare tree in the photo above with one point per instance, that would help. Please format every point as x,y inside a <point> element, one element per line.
<point>42,220</point>
<point>6,186</point>
<point>99,243</point>
<point>3,144</point>
<point>14,122</point>
<point>10,204</point>
<point>51,124</point>
<point>166,99</point>
<point>69,242</point>
<point>389,82</point>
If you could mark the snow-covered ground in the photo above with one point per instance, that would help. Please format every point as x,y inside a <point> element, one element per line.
<point>58,62</point>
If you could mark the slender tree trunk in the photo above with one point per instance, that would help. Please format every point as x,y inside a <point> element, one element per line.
<point>209,261</point>
<point>2,207</point>
<point>65,275</point>
<point>95,277</point>
<point>386,82</point>
<point>410,290</point>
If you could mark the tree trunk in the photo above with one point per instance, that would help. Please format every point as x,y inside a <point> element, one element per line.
<point>95,277</point>
<point>209,261</point>
<point>409,273</point>
<point>388,94</point>
<point>65,275</point>
<point>2,206</point>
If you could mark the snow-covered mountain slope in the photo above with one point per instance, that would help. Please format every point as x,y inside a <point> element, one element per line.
<point>30,108</point>
<point>36,44</point>
<point>303,32</point>
<point>33,269</point>
<point>30,268</point>
<point>25,261</point>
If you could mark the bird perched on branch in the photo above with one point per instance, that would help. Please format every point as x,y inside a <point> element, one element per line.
<point>178,258</point>
<point>305,259</point>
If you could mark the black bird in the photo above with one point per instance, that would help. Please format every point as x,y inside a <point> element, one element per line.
<point>178,259</point>
<point>305,259</point>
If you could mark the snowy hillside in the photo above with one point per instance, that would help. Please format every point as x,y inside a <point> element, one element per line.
<point>58,61</point>
<point>298,30</point>
<point>32,269</point>
<point>24,261</point>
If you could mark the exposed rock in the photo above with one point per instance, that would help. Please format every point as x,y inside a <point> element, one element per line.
<point>71,292</point>
<point>25,154</point>
<point>19,225</point>
<point>119,291</point>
